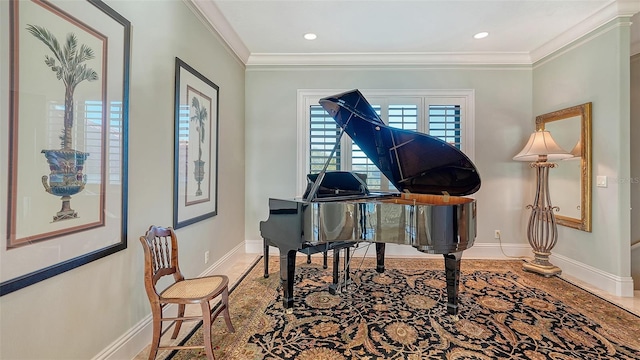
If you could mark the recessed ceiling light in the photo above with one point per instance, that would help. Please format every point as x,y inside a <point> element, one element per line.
<point>310,36</point>
<point>481,35</point>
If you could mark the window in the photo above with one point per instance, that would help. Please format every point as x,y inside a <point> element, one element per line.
<point>447,115</point>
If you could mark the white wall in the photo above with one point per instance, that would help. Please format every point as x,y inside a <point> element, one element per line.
<point>503,123</point>
<point>596,69</point>
<point>77,314</point>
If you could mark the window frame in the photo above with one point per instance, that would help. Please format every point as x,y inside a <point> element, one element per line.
<point>307,97</point>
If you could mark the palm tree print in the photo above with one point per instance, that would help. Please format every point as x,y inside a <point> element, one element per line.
<point>66,164</point>
<point>199,117</point>
<point>67,63</point>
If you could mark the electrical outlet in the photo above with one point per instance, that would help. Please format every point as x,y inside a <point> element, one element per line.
<point>206,257</point>
<point>496,234</point>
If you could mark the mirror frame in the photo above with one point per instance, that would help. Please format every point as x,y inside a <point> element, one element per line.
<point>584,111</point>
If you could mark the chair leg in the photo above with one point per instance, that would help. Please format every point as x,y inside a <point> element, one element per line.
<point>225,312</point>
<point>178,324</point>
<point>206,329</point>
<point>157,330</point>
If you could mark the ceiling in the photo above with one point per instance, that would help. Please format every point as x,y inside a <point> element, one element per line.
<point>267,32</point>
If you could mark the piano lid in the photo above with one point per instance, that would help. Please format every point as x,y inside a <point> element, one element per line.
<point>414,162</point>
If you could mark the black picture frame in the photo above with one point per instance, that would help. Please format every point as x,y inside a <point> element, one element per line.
<point>99,226</point>
<point>195,195</point>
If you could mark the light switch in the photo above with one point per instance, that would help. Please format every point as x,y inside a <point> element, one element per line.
<point>601,181</point>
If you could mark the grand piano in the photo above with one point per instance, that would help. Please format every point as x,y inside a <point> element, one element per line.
<point>429,212</point>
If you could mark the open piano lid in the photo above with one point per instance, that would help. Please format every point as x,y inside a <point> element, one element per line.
<point>414,162</point>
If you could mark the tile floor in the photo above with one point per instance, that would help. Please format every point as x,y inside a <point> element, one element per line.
<point>244,262</point>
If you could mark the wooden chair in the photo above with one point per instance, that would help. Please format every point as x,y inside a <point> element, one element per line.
<point>160,260</point>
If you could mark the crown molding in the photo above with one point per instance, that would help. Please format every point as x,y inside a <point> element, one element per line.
<point>618,22</point>
<point>213,16</point>
<point>385,59</point>
<point>609,12</point>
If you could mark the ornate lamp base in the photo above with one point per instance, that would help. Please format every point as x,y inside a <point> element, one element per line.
<point>541,265</point>
<point>542,229</point>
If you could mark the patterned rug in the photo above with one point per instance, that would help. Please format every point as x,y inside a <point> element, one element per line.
<point>504,313</point>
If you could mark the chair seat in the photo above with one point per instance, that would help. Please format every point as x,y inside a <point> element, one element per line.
<point>195,288</point>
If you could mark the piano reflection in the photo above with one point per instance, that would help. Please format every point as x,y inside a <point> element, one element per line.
<point>429,211</point>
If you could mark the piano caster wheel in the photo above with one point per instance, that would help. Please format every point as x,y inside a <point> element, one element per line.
<point>266,276</point>
<point>288,311</point>
<point>455,318</point>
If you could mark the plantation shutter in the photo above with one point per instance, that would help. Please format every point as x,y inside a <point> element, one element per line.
<point>323,134</point>
<point>444,123</point>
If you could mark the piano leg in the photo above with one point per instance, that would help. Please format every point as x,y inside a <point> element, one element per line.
<point>265,258</point>
<point>333,288</point>
<point>380,257</point>
<point>452,271</point>
<point>287,277</point>
<point>324,256</point>
<point>347,263</point>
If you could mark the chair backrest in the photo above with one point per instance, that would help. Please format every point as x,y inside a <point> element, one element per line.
<point>160,246</point>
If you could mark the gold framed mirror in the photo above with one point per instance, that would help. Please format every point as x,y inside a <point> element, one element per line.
<point>570,181</point>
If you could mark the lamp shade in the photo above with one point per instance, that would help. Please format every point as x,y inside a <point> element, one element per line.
<point>541,143</point>
<point>576,152</point>
<point>577,149</point>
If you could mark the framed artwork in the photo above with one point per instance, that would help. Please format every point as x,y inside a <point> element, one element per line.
<point>67,135</point>
<point>195,195</point>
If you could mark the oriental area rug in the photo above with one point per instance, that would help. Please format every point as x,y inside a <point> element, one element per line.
<point>504,313</point>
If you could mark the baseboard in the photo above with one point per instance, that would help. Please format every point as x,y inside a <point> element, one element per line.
<point>130,343</point>
<point>615,285</point>
<point>138,337</point>
<point>612,284</point>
